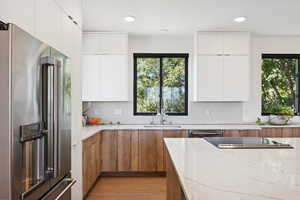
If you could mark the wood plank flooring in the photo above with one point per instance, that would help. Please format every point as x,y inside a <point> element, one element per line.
<point>129,188</point>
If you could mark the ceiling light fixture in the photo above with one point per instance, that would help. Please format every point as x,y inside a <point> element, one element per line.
<point>240,19</point>
<point>129,18</point>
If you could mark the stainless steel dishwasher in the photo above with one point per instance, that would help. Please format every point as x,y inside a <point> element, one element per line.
<point>205,133</point>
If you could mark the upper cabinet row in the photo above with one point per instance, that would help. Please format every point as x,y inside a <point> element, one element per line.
<point>222,43</point>
<point>73,9</point>
<point>222,67</point>
<point>105,43</point>
<point>105,67</point>
<point>45,19</point>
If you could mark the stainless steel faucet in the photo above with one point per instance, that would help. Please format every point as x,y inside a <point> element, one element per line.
<point>162,116</point>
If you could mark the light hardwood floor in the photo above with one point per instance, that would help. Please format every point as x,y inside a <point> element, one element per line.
<point>129,188</point>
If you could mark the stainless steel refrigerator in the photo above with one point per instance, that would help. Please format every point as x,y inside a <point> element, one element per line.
<point>35,113</point>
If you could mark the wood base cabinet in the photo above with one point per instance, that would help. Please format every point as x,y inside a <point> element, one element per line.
<point>271,132</point>
<point>127,151</point>
<point>135,150</point>
<point>91,162</point>
<point>174,191</point>
<point>150,150</point>
<point>281,132</point>
<point>242,133</point>
<point>109,151</point>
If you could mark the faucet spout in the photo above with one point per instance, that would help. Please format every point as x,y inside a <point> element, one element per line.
<point>162,116</point>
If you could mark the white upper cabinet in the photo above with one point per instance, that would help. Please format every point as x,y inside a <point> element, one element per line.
<point>236,84</point>
<point>21,13</point>
<point>68,29</point>
<point>47,20</point>
<point>104,78</point>
<point>90,77</point>
<point>236,43</point>
<point>210,78</point>
<point>222,66</point>
<point>225,43</point>
<point>105,43</point>
<point>72,8</point>
<point>77,11</point>
<point>209,43</point>
<point>49,25</point>
<point>105,67</point>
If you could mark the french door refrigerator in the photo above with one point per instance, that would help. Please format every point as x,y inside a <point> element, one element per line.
<point>35,113</point>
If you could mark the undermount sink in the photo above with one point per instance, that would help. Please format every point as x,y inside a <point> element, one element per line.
<point>162,126</point>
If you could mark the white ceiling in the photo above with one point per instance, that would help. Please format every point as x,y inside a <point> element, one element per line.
<point>270,17</point>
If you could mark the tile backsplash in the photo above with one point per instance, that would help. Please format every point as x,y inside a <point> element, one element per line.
<point>122,112</point>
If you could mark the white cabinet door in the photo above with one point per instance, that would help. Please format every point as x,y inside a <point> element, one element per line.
<point>210,78</point>
<point>105,43</point>
<point>48,22</point>
<point>91,71</point>
<point>236,43</point>
<point>21,13</point>
<point>104,78</point>
<point>77,11</point>
<point>209,43</point>
<point>236,78</point>
<point>113,78</point>
<point>72,8</point>
<point>90,44</point>
<point>68,30</point>
<point>66,5</point>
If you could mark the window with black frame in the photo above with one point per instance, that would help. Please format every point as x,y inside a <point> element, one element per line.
<point>160,82</point>
<point>280,84</point>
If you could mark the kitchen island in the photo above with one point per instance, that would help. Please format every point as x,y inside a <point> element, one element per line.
<point>197,170</point>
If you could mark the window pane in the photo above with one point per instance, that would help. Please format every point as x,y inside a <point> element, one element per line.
<point>148,85</point>
<point>278,84</point>
<point>174,85</point>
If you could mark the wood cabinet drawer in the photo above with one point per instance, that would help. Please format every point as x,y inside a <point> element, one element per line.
<point>242,133</point>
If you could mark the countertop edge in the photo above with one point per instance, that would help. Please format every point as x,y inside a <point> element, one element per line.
<point>89,131</point>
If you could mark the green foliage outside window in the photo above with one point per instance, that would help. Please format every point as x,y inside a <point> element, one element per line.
<point>148,81</point>
<point>278,85</point>
<point>174,85</point>
<point>148,84</point>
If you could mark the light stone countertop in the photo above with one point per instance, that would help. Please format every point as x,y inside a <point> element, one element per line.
<point>88,131</point>
<point>294,125</point>
<point>209,173</point>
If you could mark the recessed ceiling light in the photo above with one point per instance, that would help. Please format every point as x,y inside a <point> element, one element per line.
<point>240,19</point>
<point>129,18</point>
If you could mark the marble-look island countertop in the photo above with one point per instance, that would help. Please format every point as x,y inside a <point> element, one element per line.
<point>88,131</point>
<point>209,173</point>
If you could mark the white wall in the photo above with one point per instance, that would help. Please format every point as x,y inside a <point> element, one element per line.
<point>260,45</point>
<point>198,112</point>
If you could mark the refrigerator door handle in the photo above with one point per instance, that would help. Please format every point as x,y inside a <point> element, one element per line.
<point>55,119</point>
<point>48,113</point>
<point>72,182</point>
<point>60,189</point>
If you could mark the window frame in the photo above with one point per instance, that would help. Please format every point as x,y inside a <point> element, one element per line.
<point>287,56</point>
<point>160,56</point>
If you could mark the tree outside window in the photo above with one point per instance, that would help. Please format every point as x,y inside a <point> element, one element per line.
<point>280,84</point>
<point>160,82</point>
